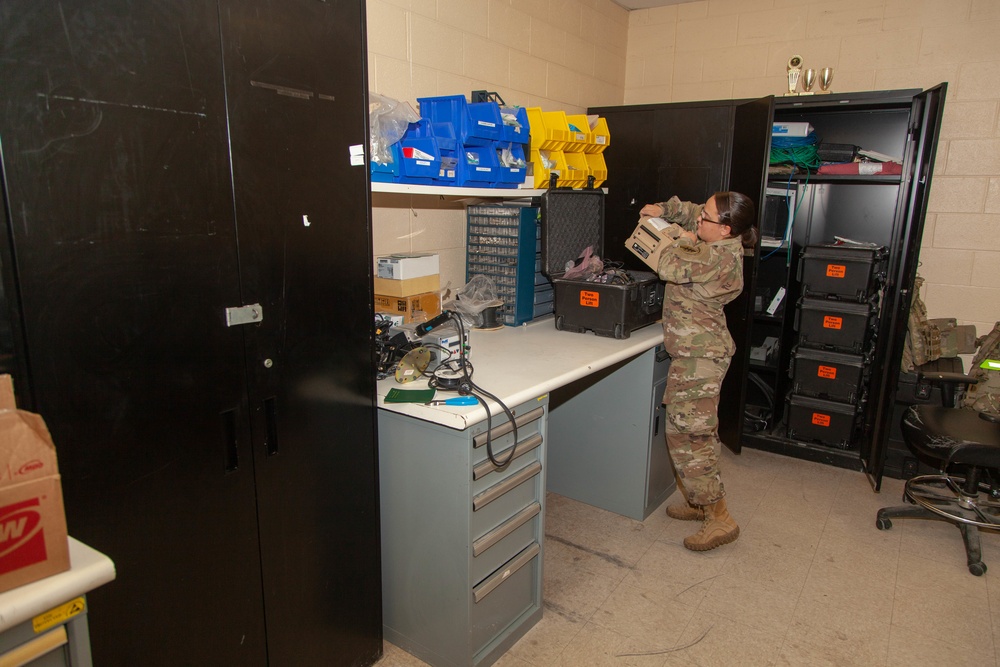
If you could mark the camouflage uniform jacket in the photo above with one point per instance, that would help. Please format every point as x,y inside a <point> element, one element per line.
<point>701,278</point>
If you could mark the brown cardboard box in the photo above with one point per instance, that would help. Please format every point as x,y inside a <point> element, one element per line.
<point>33,542</point>
<point>414,308</point>
<point>409,287</point>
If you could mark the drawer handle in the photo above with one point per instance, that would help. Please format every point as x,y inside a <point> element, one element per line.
<point>507,427</point>
<point>497,490</point>
<point>505,528</point>
<point>501,575</point>
<point>486,467</point>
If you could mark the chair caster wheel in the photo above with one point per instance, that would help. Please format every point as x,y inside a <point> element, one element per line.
<point>978,569</point>
<point>883,524</point>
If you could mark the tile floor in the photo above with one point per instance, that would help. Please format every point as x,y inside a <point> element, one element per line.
<point>810,582</point>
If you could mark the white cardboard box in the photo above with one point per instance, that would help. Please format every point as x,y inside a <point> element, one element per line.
<point>791,129</point>
<point>405,267</point>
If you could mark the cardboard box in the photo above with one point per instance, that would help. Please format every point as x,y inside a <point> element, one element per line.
<point>649,239</point>
<point>405,267</point>
<point>33,541</point>
<point>414,308</point>
<point>791,129</point>
<point>409,287</point>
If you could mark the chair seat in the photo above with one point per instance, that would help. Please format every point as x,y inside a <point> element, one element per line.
<point>952,435</point>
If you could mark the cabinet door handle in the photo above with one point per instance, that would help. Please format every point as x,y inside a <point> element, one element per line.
<point>230,443</point>
<point>270,426</point>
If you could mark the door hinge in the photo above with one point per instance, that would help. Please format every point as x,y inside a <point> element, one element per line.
<point>250,314</point>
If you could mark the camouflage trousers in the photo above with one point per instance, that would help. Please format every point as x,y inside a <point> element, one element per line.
<point>692,404</point>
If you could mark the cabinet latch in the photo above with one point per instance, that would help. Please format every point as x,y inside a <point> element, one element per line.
<point>250,314</point>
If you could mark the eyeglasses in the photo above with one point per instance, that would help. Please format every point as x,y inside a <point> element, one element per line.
<point>701,216</point>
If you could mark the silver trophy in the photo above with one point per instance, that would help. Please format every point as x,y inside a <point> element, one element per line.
<point>825,79</point>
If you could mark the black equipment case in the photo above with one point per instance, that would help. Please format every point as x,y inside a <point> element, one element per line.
<point>842,271</point>
<point>838,325</point>
<point>831,375</point>
<point>572,220</point>
<point>824,422</point>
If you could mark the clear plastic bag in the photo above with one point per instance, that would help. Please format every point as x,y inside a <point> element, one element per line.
<point>387,120</point>
<point>476,296</point>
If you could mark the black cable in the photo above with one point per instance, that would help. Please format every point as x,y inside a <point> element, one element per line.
<point>467,387</point>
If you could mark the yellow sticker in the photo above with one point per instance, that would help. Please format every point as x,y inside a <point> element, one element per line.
<point>60,614</point>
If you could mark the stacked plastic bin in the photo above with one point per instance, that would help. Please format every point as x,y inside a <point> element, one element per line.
<point>504,243</point>
<point>484,143</point>
<point>568,146</point>
<point>837,322</point>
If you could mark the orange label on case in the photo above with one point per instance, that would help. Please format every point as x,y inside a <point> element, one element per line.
<point>836,270</point>
<point>828,372</point>
<point>831,322</point>
<point>590,299</point>
<point>819,419</point>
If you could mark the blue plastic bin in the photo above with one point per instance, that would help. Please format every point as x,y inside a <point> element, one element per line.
<point>420,157</point>
<point>476,124</point>
<point>511,175</point>
<point>519,133</point>
<point>387,173</point>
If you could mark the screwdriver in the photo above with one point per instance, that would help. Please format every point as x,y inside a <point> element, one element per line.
<point>458,400</point>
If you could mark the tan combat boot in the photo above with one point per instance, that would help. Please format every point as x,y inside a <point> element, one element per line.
<point>685,512</point>
<point>719,528</point>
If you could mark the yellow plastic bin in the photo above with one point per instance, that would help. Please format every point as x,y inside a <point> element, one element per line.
<point>600,137</point>
<point>543,164</point>
<point>576,172</point>
<point>598,168</point>
<point>544,137</point>
<point>579,133</point>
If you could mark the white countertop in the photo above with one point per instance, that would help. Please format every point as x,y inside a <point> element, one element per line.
<point>88,569</point>
<point>517,364</point>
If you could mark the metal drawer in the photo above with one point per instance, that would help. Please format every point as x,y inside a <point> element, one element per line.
<point>505,505</point>
<point>496,547</point>
<point>511,592</point>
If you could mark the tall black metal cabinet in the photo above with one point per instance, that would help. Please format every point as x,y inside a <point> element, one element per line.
<point>885,210</point>
<point>187,275</point>
<point>692,150</point>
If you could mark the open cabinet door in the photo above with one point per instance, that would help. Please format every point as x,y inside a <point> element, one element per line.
<point>918,165</point>
<point>748,175</point>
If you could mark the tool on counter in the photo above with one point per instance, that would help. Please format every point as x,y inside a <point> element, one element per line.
<point>458,400</point>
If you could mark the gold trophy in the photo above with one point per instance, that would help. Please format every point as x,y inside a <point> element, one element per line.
<point>794,71</point>
<point>825,79</point>
<point>808,79</point>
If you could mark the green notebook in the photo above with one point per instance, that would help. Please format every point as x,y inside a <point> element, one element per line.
<point>409,396</point>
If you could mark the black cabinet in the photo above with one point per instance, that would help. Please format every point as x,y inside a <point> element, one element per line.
<point>693,149</point>
<point>171,170</point>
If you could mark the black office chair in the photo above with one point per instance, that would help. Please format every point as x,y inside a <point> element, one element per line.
<point>966,446</point>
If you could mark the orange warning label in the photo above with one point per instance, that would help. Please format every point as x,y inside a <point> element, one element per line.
<point>590,299</point>
<point>828,372</point>
<point>831,322</point>
<point>836,270</point>
<point>820,419</point>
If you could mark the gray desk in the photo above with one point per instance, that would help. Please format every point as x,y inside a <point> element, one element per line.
<point>463,541</point>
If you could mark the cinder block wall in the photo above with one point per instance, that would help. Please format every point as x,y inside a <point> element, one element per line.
<point>571,54</point>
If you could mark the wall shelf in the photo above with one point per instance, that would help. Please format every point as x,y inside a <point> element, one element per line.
<point>447,191</point>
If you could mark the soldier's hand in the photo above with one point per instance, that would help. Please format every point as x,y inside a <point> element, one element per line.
<point>652,210</point>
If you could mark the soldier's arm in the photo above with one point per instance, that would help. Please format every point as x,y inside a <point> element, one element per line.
<point>688,262</point>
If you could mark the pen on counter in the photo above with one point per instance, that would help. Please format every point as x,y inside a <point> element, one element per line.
<point>458,400</point>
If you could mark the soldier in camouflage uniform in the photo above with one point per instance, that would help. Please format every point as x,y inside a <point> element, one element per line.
<point>703,271</point>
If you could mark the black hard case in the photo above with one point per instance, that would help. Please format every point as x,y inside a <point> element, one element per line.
<point>824,422</point>
<point>838,325</point>
<point>572,220</point>
<point>831,375</point>
<point>844,272</point>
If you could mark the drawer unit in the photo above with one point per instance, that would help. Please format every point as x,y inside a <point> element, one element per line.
<point>831,375</point>
<point>823,422</point>
<point>463,592</point>
<point>842,271</point>
<point>836,325</point>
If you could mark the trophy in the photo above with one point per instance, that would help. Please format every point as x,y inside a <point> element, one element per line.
<point>808,79</point>
<point>794,70</point>
<point>825,79</point>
